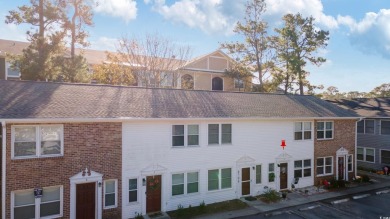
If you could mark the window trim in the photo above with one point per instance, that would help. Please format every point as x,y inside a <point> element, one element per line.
<point>38,141</point>
<point>365,154</point>
<point>269,172</point>
<point>128,190</point>
<point>324,131</point>
<point>185,182</point>
<point>324,166</point>
<point>261,174</point>
<point>219,134</point>
<point>186,135</point>
<point>364,127</point>
<point>380,157</point>
<point>380,130</point>
<point>303,131</point>
<point>220,179</point>
<point>302,168</point>
<point>115,193</point>
<point>238,82</point>
<point>350,155</point>
<point>38,202</point>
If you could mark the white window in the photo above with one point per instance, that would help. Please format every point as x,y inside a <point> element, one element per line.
<point>271,172</point>
<point>385,156</point>
<point>366,126</point>
<point>179,133</point>
<point>302,130</point>
<point>49,205</point>
<point>12,72</point>
<point>219,179</point>
<point>37,141</point>
<point>183,183</point>
<point>258,174</point>
<point>385,127</point>
<point>166,79</point>
<point>133,190</point>
<point>366,154</point>
<point>324,166</point>
<point>350,163</point>
<point>217,130</point>
<point>110,191</point>
<point>302,168</point>
<point>324,130</point>
<point>238,83</point>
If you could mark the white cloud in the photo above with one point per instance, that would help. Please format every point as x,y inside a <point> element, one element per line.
<point>220,16</point>
<point>211,16</point>
<point>276,9</point>
<point>105,43</point>
<point>371,34</point>
<point>125,9</point>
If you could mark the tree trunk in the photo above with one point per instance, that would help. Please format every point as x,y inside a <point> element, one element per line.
<point>41,38</point>
<point>73,29</point>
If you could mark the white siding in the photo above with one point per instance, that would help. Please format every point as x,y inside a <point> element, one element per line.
<point>149,143</point>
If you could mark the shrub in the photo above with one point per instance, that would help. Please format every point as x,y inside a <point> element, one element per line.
<point>270,195</point>
<point>202,207</point>
<point>139,216</point>
<point>180,212</point>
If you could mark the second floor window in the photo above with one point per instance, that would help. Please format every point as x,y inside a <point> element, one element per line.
<point>185,135</point>
<point>324,130</point>
<point>366,154</point>
<point>385,127</point>
<point>366,126</point>
<point>37,141</point>
<point>302,131</point>
<point>220,134</point>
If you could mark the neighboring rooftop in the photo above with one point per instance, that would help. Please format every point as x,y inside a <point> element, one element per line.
<point>28,99</point>
<point>366,107</point>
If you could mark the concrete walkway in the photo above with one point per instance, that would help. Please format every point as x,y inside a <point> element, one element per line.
<point>299,197</point>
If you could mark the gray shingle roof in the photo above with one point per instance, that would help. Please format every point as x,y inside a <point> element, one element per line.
<point>27,99</point>
<point>366,107</point>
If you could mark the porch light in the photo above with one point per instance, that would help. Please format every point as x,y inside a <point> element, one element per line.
<point>283,144</point>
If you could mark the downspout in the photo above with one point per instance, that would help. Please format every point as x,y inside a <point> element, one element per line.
<point>3,158</point>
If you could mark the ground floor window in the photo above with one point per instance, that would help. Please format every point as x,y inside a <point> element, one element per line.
<point>219,179</point>
<point>385,156</point>
<point>110,191</point>
<point>258,174</point>
<point>185,183</point>
<point>133,190</point>
<point>27,205</point>
<point>271,172</point>
<point>350,163</point>
<point>324,166</point>
<point>366,154</point>
<point>302,168</point>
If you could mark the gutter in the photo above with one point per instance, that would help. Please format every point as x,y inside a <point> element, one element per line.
<point>4,137</point>
<point>135,119</point>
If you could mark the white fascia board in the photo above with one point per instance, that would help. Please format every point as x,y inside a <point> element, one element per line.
<point>131,119</point>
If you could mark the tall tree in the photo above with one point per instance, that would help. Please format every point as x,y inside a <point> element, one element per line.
<point>382,90</point>
<point>154,59</point>
<point>113,71</point>
<point>38,60</point>
<point>302,40</point>
<point>75,67</point>
<point>254,52</point>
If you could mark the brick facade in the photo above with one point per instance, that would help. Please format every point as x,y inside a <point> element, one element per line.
<point>97,146</point>
<point>343,136</point>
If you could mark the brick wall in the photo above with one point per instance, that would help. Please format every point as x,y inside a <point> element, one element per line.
<point>97,146</point>
<point>343,136</point>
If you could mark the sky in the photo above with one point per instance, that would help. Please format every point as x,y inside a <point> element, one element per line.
<point>358,52</point>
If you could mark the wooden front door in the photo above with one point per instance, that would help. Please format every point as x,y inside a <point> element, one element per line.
<point>341,167</point>
<point>153,193</point>
<point>246,181</point>
<point>86,200</point>
<point>283,175</point>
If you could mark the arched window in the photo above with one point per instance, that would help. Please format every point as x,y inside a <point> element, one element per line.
<point>187,82</point>
<point>217,83</point>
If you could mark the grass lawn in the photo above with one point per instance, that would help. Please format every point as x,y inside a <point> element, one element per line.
<point>202,209</point>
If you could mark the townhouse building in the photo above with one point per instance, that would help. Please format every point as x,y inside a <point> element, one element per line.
<point>128,150</point>
<point>373,132</point>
